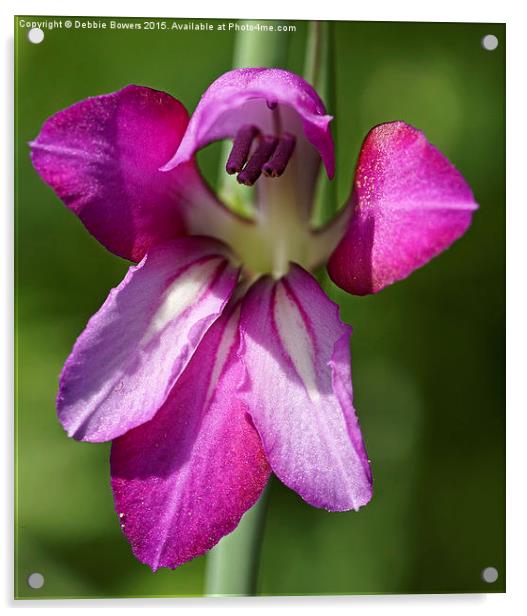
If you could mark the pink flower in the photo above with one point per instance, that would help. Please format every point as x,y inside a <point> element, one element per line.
<point>219,358</point>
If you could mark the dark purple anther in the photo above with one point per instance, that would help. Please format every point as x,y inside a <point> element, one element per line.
<point>241,148</point>
<point>276,165</point>
<point>253,169</point>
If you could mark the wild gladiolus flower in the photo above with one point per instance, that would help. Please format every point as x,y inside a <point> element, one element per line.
<point>219,358</point>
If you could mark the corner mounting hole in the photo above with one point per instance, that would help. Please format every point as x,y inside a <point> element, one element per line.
<point>489,42</point>
<point>35,581</point>
<point>35,35</point>
<point>489,575</point>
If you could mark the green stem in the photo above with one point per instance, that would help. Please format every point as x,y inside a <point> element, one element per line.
<point>319,71</point>
<point>232,566</point>
<point>313,60</point>
<point>256,48</point>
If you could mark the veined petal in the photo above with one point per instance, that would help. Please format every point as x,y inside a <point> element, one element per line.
<point>295,351</point>
<point>409,204</point>
<point>184,479</point>
<point>258,96</point>
<point>134,349</point>
<point>102,157</point>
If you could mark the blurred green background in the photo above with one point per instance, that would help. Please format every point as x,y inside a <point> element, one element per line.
<point>428,352</point>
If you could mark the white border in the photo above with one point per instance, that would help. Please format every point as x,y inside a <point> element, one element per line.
<point>380,10</point>
<point>385,10</point>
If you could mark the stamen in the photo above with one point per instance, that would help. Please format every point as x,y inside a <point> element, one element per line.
<point>276,165</point>
<point>253,169</point>
<point>241,148</point>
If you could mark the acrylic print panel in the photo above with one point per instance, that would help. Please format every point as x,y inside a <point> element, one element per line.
<point>221,364</point>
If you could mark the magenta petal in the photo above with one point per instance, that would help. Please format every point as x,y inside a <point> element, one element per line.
<point>183,480</point>
<point>133,350</point>
<point>295,351</point>
<point>102,157</point>
<point>249,96</point>
<point>409,204</point>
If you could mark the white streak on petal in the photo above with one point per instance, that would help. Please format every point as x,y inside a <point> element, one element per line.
<point>180,295</point>
<point>223,353</point>
<point>295,339</point>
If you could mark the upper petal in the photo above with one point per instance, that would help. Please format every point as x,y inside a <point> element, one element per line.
<point>295,351</point>
<point>249,96</point>
<point>409,204</point>
<point>102,157</point>
<point>133,350</point>
<point>184,479</point>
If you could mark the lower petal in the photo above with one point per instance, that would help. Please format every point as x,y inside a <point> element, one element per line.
<point>134,349</point>
<point>295,351</point>
<point>183,480</point>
